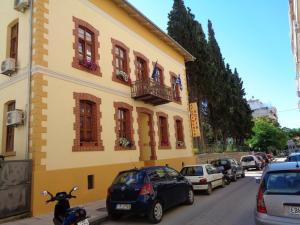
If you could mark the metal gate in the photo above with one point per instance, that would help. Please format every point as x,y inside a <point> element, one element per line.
<point>15,187</point>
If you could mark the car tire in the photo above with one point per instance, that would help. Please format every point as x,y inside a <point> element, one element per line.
<point>234,178</point>
<point>190,197</point>
<point>243,174</point>
<point>209,189</point>
<point>223,183</point>
<point>114,216</point>
<point>155,214</point>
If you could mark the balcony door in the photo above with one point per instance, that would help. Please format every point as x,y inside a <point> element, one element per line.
<point>141,69</point>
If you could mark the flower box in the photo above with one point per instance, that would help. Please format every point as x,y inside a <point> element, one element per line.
<point>122,76</point>
<point>89,65</point>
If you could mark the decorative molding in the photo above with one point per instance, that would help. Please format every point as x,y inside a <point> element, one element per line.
<point>130,32</point>
<point>123,105</point>
<point>165,115</point>
<point>128,69</point>
<point>38,118</point>
<point>96,45</point>
<point>178,101</point>
<point>140,55</point>
<point>69,78</point>
<point>176,135</point>
<point>40,32</point>
<point>98,145</point>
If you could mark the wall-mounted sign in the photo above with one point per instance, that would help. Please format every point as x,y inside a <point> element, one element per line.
<point>195,119</point>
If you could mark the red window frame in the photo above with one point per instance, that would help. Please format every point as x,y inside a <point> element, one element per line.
<point>121,59</point>
<point>179,130</point>
<point>163,126</point>
<point>123,123</point>
<point>175,89</point>
<point>86,46</point>
<point>141,69</point>
<point>14,34</point>
<point>87,119</point>
<point>160,76</point>
<point>10,130</point>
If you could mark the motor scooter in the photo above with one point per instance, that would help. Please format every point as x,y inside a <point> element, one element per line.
<point>63,214</point>
<point>225,174</point>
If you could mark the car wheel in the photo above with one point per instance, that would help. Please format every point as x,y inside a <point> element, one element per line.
<point>243,174</point>
<point>114,216</point>
<point>156,213</point>
<point>234,178</point>
<point>223,183</point>
<point>190,197</point>
<point>209,189</point>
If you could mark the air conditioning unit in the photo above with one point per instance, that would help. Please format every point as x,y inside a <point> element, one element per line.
<point>21,5</point>
<point>15,117</point>
<point>8,66</point>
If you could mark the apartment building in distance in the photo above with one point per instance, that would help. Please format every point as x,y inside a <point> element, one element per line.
<point>77,95</point>
<point>260,109</point>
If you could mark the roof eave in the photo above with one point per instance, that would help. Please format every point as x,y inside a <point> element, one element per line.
<point>132,11</point>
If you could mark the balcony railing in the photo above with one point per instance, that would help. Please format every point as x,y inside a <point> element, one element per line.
<point>151,92</point>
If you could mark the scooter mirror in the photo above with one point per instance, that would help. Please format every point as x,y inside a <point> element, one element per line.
<point>44,193</point>
<point>75,188</point>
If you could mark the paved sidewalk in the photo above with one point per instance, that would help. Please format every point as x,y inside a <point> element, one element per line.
<point>95,210</point>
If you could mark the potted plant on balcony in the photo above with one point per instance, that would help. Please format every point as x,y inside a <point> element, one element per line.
<point>124,142</point>
<point>180,144</point>
<point>122,76</point>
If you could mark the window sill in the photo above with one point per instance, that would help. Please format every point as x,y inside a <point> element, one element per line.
<point>87,147</point>
<point>120,148</point>
<point>8,154</point>
<point>164,147</point>
<point>115,79</point>
<point>78,66</point>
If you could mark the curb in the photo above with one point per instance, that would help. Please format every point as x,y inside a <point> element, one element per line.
<point>99,219</point>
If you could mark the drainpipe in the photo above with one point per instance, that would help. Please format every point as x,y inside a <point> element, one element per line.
<point>27,116</point>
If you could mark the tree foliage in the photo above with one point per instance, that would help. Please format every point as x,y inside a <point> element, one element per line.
<point>267,136</point>
<point>219,91</point>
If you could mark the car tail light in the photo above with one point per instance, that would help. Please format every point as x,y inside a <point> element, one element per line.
<point>203,181</point>
<point>261,207</point>
<point>146,189</point>
<point>108,191</point>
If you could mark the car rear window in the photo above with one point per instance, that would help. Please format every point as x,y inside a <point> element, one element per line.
<point>293,158</point>
<point>129,178</point>
<point>282,183</point>
<point>247,159</point>
<point>192,171</point>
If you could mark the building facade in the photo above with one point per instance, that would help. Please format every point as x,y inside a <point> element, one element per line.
<point>83,82</point>
<point>294,9</point>
<point>260,109</point>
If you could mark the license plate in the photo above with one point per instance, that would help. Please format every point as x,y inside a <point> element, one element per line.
<point>295,210</point>
<point>83,222</point>
<point>123,206</point>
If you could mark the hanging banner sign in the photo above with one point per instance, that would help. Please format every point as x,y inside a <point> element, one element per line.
<point>194,119</point>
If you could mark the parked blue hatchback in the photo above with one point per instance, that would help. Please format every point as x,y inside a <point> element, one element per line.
<point>148,191</point>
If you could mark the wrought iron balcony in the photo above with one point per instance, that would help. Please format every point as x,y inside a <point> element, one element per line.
<point>151,92</point>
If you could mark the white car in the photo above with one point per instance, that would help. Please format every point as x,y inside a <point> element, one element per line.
<point>204,177</point>
<point>251,162</point>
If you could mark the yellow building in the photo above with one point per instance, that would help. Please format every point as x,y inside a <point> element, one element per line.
<point>92,106</point>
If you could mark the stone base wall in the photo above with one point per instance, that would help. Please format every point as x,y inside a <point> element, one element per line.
<point>208,157</point>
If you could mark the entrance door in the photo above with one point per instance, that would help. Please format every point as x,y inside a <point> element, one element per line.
<point>145,150</point>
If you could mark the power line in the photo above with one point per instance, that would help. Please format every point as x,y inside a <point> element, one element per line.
<point>288,110</point>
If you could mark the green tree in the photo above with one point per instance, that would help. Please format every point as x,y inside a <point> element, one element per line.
<point>267,136</point>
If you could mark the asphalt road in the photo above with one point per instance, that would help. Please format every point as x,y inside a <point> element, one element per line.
<point>232,205</point>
